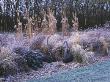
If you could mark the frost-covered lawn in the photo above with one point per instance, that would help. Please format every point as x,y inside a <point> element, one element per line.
<point>99,72</point>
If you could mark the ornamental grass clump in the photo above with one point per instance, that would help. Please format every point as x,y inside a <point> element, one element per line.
<point>52,45</point>
<point>104,47</point>
<point>82,56</point>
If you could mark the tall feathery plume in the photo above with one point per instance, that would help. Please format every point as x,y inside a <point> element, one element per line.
<point>28,25</point>
<point>54,21</point>
<point>26,16</point>
<point>45,27</point>
<point>39,24</point>
<point>51,21</point>
<point>33,26</point>
<point>75,28</point>
<point>18,27</point>
<point>65,24</point>
<point>35,23</point>
<point>75,22</point>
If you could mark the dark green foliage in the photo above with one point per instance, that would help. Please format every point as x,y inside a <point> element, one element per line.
<point>21,64</point>
<point>7,69</point>
<point>78,58</point>
<point>33,62</point>
<point>34,59</point>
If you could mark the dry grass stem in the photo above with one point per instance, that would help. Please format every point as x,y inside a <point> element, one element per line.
<point>75,22</point>
<point>52,22</point>
<point>18,27</point>
<point>64,26</point>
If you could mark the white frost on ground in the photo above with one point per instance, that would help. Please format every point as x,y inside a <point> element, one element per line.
<point>49,70</point>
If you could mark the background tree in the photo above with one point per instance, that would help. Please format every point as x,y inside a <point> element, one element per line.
<point>89,12</point>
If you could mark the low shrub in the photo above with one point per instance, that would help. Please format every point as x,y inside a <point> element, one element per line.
<point>11,63</point>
